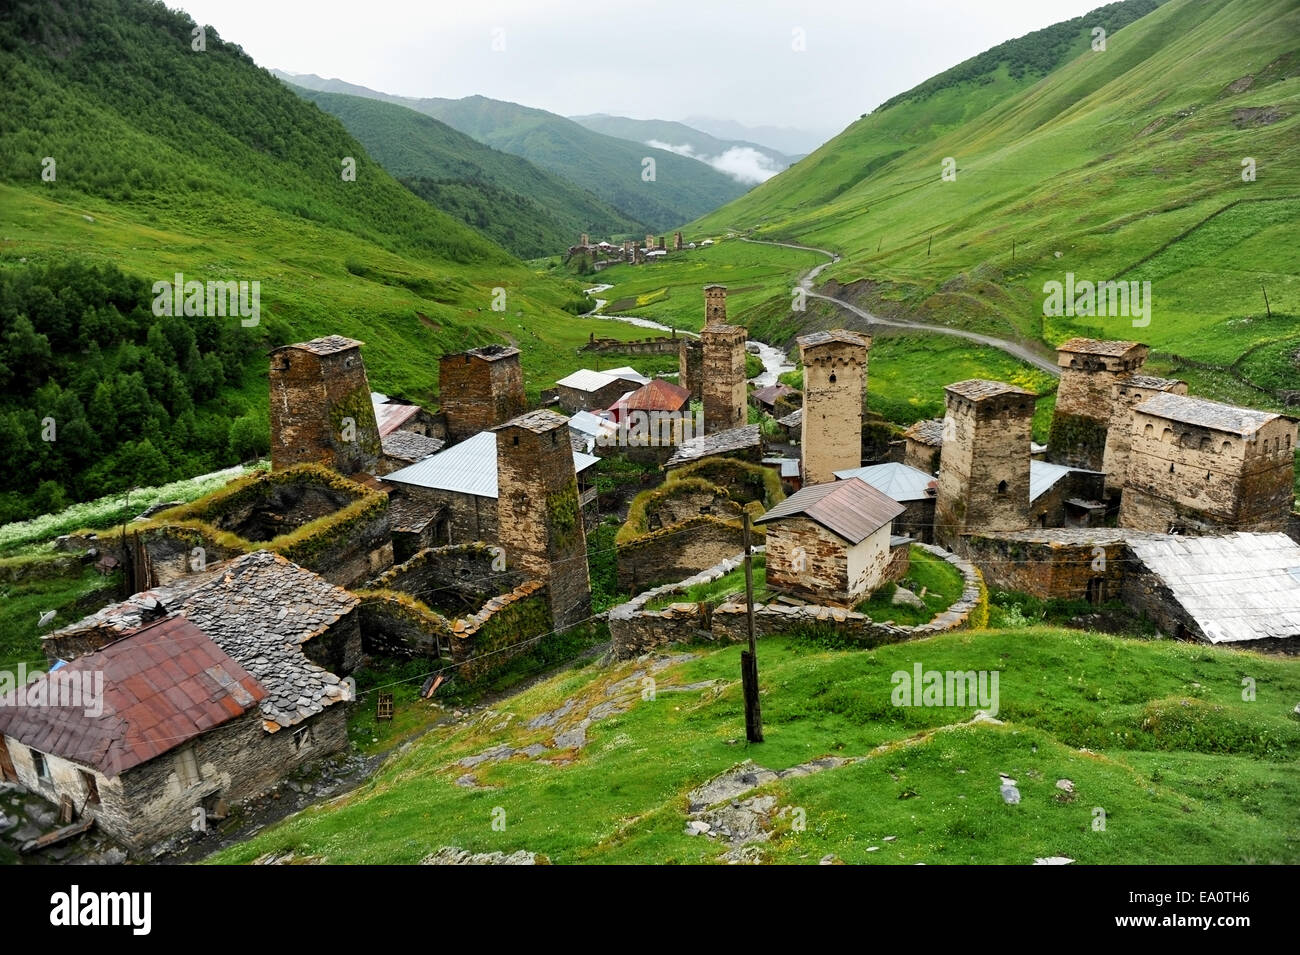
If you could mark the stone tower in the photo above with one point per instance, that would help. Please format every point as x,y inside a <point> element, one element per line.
<point>539,516</point>
<point>722,366</point>
<point>480,389</point>
<point>677,241</point>
<point>1126,394</point>
<point>662,244</point>
<point>715,305</point>
<point>1089,371</point>
<point>586,241</point>
<point>834,388</point>
<point>321,410</point>
<point>690,365</point>
<point>984,464</point>
<point>649,242</point>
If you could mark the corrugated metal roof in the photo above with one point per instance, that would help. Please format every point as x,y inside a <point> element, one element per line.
<point>1237,587</point>
<point>584,422</point>
<point>789,467</point>
<point>162,686</point>
<point>466,468</point>
<point>853,509</point>
<point>1206,414</point>
<point>657,395</point>
<point>1044,474</point>
<point>391,415</point>
<point>584,379</point>
<point>897,481</point>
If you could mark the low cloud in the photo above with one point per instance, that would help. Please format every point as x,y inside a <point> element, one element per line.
<point>742,163</point>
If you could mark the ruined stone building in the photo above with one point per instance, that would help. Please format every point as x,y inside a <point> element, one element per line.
<point>834,390</point>
<point>479,389</point>
<point>690,365</point>
<point>321,410</point>
<point>1090,370</point>
<point>984,463</point>
<point>832,543</point>
<point>722,365</point>
<point>1198,467</point>
<point>1126,394</point>
<point>539,516</point>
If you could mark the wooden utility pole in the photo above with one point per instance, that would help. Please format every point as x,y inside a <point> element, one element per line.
<point>1265,291</point>
<point>928,245</point>
<point>1013,250</point>
<point>878,241</point>
<point>749,658</point>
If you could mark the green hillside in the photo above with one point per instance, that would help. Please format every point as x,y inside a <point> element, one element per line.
<point>683,189</point>
<point>529,211</point>
<point>1124,163</point>
<point>1154,734</point>
<point>166,160</point>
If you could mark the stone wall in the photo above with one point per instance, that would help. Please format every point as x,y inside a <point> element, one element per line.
<point>475,570</point>
<point>397,625</point>
<point>1081,569</point>
<point>634,630</point>
<point>659,345</point>
<point>506,626</point>
<point>467,517</point>
<point>676,551</point>
<point>690,366</point>
<point>1124,397</point>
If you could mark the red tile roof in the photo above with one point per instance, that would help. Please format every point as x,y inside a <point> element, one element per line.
<point>158,688</point>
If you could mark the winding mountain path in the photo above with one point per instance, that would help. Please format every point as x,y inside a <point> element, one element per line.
<point>1011,348</point>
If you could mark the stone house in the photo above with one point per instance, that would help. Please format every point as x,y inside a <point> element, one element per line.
<point>1061,496</point>
<point>587,390</point>
<point>1197,466</point>
<point>922,444</point>
<point>1125,395</point>
<point>213,690</point>
<point>831,543</point>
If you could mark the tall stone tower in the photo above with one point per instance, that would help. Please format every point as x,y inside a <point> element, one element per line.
<point>1089,371</point>
<point>649,242</point>
<point>1126,394</point>
<point>677,241</point>
<point>984,464</point>
<point>539,517</point>
<point>690,365</point>
<point>480,389</point>
<point>586,240</point>
<point>722,367</point>
<point>321,410</point>
<point>834,388</point>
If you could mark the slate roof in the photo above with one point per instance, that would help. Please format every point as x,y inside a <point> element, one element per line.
<point>929,431</point>
<point>1154,382</point>
<point>853,509</point>
<point>469,467</point>
<point>409,446</point>
<point>162,686</point>
<point>842,335</point>
<point>793,420</point>
<point>1206,414</point>
<point>492,352</point>
<point>1096,346</point>
<point>323,346</point>
<point>977,389</point>
<point>897,481</point>
<point>1236,587</point>
<point>720,442</point>
<point>259,608</point>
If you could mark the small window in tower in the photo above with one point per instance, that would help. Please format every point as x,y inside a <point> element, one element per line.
<point>515,440</point>
<point>1171,469</point>
<point>40,765</point>
<point>1207,475</point>
<point>553,434</point>
<point>1002,487</point>
<point>832,378</point>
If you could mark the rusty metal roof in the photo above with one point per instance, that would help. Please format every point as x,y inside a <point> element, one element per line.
<point>769,394</point>
<point>162,685</point>
<point>657,395</point>
<point>390,414</point>
<point>853,509</point>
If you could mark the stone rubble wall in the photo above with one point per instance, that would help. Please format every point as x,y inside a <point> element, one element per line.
<point>635,630</point>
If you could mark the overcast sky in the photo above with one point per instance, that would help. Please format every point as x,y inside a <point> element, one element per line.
<point>649,59</point>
